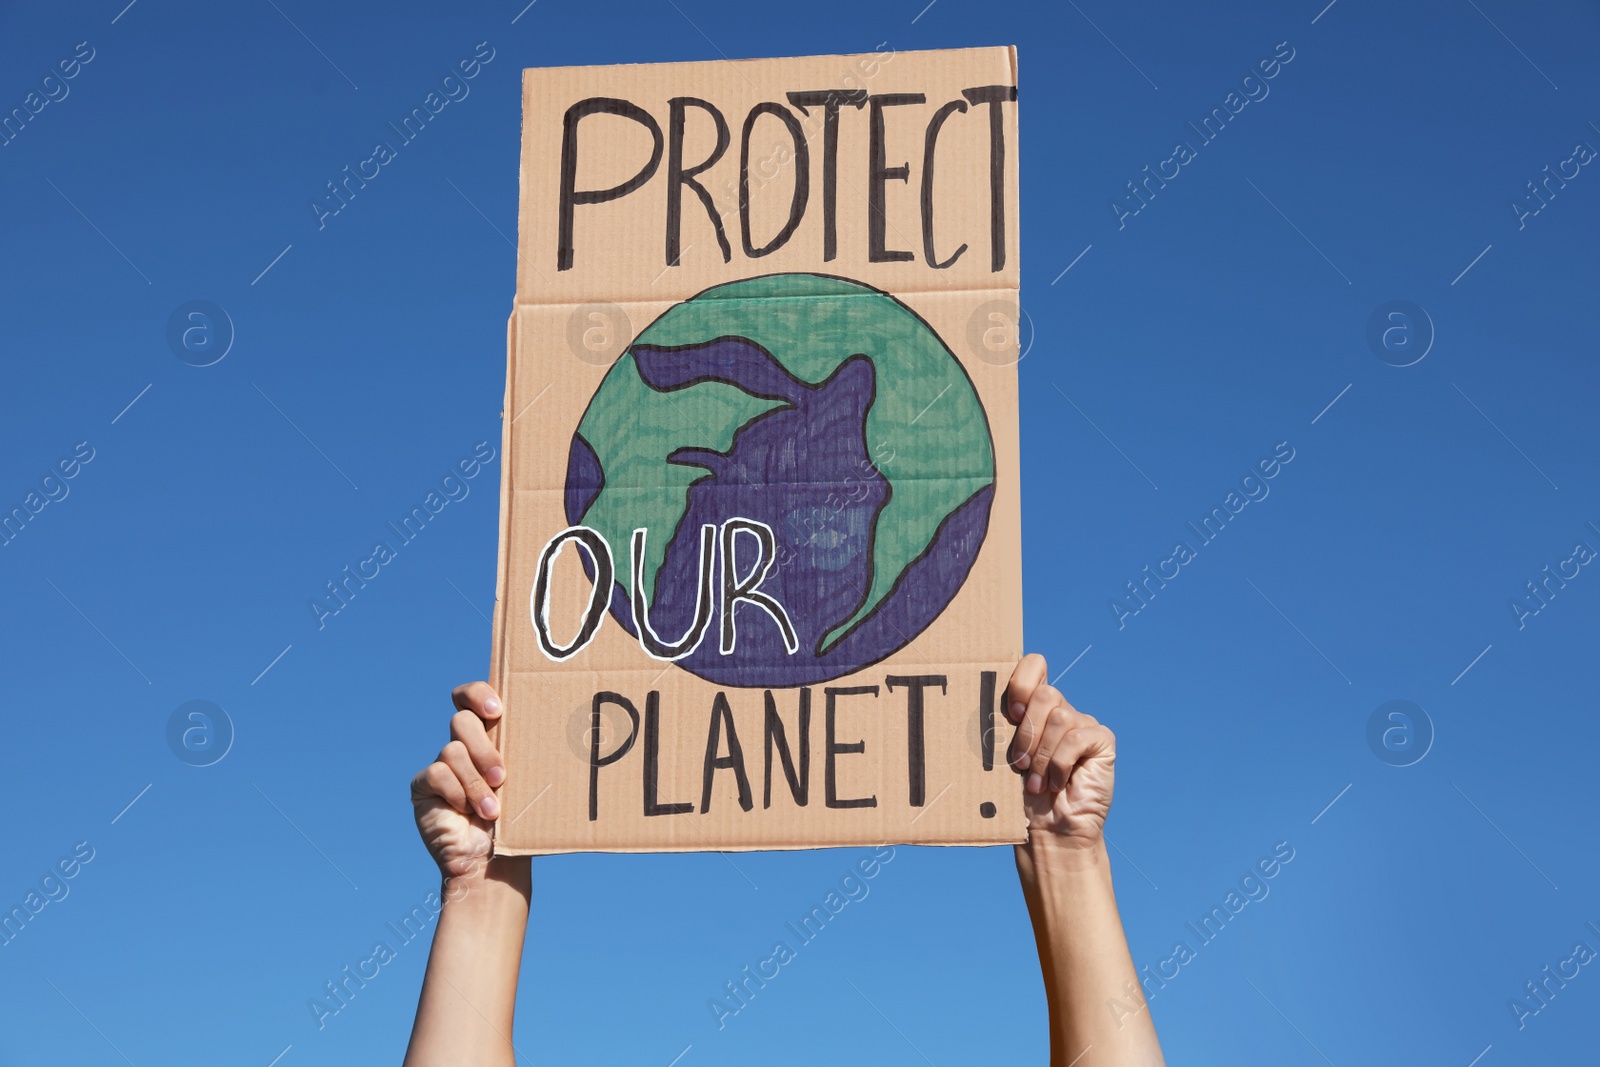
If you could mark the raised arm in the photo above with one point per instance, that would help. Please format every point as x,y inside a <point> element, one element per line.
<point>1066,761</point>
<point>470,990</point>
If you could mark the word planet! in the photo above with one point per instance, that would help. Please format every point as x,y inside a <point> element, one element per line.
<point>813,407</point>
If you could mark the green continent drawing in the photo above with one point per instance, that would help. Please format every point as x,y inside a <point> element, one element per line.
<point>821,408</point>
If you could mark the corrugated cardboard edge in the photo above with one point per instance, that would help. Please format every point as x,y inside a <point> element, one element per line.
<point>499,653</point>
<point>639,850</point>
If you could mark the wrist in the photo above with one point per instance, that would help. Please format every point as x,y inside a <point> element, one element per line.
<point>1057,854</point>
<point>504,883</point>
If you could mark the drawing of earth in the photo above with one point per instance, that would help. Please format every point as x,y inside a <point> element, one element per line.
<point>818,406</point>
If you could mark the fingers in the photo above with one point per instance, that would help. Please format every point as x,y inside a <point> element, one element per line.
<point>1030,672</point>
<point>478,698</point>
<point>479,796</point>
<point>438,780</point>
<point>1057,721</point>
<point>469,768</point>
<point>466,727</point>
<point>1051,738</point>
<point>1031,727</point>
<point>1085,740</point>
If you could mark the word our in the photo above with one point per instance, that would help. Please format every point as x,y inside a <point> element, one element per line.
<point>731,590</point>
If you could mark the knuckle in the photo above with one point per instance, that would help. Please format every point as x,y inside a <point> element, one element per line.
<point>455,750</point>
<point>471,779</point>
<point>1057,716</point>
<point>469,693</point>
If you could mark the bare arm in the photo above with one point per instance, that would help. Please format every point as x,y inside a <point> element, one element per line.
<point>470,990</point>
<point>1098,1015</point>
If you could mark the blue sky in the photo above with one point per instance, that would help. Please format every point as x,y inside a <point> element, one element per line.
<point>1172,350</point>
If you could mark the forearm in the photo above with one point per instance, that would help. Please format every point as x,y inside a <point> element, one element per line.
<point>1098,1016</point>
<point>469,992</point>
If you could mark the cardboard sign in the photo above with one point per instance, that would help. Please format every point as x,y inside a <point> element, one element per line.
<point>759,580</point>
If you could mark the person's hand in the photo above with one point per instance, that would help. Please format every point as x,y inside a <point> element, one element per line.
<point>453,797</point>
<point>483,920</point>
<point>1065,758</point>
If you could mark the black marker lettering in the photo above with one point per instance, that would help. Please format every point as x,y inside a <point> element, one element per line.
<point>596,761</point>
<point>832,748</point>
<point>994,96</point>
<point>652,768</point>
<point>878,174</point>
<point>773,731</point>
<point>571,196</point>
<point>916,755</point>
<point>802,178</point>
<point>829,100</point>
<point>722,718</point>
<point>927,186</point>
<point>986,719</point>
<point>678,177</point>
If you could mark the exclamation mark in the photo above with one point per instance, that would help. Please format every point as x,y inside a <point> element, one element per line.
<point>986,733</point>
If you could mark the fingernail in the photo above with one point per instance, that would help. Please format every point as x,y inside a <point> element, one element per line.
<point>1035,783</point>
<point>495,775</point>
<point>489,807</point>
<point>1018,710</point>
<point>1022,761</point>
<point>492,706</point>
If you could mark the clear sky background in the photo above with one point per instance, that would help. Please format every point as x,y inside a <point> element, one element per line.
<point>1169,354</point>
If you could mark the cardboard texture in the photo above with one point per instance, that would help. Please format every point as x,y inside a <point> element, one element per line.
<point>762,389</point>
